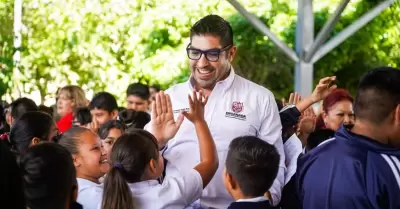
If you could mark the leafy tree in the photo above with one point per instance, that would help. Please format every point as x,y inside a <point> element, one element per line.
<point>105,45</point>
<point>6,45</point>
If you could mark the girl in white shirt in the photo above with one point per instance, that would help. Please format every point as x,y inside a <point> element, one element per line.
<point>90,161</point>
<point>137,162</point>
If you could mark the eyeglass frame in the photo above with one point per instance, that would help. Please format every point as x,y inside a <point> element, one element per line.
<point>205,52</point>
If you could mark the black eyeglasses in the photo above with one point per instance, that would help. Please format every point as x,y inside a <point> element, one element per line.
<point>212,55</point>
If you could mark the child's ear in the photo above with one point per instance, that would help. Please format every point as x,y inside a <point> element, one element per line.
<point>76,160</point>
<point>229,181</point>
<point>114,114</point>
<point>35,141</point>
<point>153,166</point>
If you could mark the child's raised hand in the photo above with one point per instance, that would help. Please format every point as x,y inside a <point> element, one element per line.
<point>196,103</point>
<point>163,125</point>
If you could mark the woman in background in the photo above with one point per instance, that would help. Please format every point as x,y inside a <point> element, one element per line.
<point>69,99</point>
<point>337,109</point>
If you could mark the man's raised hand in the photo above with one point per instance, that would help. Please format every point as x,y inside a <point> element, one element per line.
<point>163,125</point>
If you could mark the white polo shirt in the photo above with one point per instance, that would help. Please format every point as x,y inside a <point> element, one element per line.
<point>174,192</point>
<point>236,107</point>
<point>90,194</point>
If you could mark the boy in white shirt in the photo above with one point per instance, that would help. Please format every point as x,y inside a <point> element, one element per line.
<point>250,169</point>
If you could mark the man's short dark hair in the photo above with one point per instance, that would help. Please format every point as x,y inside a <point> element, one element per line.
<point>103,101</point>
<point>21,106</point>
<point>378,94</point>
<point>253,163</point>
<point>139,90</point>
<point>216,26</point>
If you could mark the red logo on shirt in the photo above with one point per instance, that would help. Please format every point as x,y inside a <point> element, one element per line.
<point>237,107</point>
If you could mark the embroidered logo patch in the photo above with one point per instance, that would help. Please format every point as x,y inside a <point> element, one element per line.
<point>237,107</point>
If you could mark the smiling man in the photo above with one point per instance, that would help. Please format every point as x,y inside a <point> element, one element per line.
<point>236,107</point>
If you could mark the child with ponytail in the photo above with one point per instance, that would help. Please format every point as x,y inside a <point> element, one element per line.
<point>136,162</point>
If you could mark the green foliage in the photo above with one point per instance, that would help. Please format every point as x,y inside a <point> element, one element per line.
<point>106,45</point>
<point>374,45</point>
<point>6,45</point>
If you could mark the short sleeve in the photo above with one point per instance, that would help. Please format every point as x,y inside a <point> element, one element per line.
<point>185,189</point>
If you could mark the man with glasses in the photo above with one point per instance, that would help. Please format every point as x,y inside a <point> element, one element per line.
<point>236,107</point>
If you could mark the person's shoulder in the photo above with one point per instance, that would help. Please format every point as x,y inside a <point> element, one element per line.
<point>326,149</point>
<point>191,177</point>
<point>88,186</point>
<point>179,87</point>
<point>337,150</point>
<point>252,87</point>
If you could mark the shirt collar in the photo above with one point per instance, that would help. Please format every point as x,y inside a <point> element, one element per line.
<point>226,83</point>
<point>255,199</point>
<point>82,181</point>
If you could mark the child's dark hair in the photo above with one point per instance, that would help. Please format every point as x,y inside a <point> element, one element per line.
<point>134,119</point>
<point>253,163</point>
<point>11,189</point>
<point>317,137</point>
<point>49,176</point>
<point>21,106</point>
<point>139,90</point>
<point>104,101</point>
<point>45,109</point>
<point>82,116</point>
<point>130,156</point>
<point>29,126</point>
<point>104,130</point>
<point>70,139</point>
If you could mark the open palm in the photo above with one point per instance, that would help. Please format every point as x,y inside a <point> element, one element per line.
<point>163,125</point>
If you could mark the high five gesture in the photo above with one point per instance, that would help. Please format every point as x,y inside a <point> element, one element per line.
<point>163,125</point>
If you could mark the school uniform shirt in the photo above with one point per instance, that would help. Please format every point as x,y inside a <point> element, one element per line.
<point>349,172</point>
<point>173,193</point>
<point>253,203</point>
<point>236,107</point>
<point>293,148</point>
<point>90,194</point>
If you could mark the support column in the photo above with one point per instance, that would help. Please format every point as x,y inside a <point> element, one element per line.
<point>304,71</point>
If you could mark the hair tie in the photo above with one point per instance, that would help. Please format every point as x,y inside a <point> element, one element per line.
<point>117,165</point>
